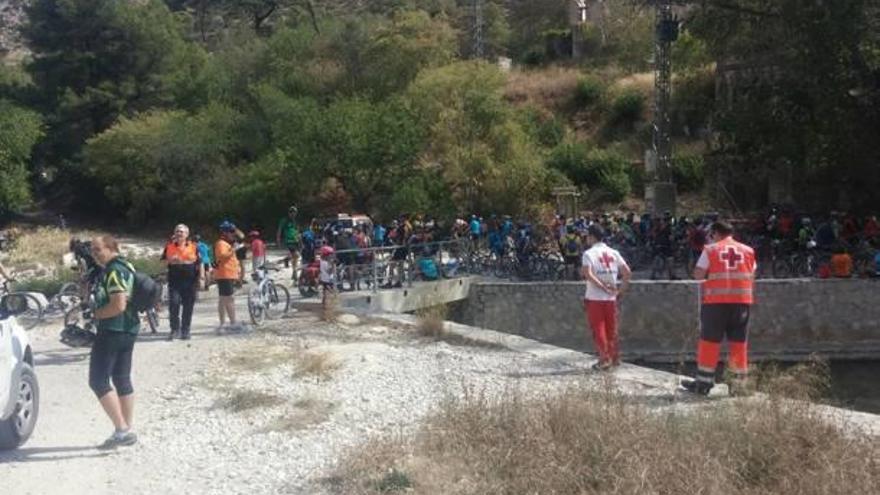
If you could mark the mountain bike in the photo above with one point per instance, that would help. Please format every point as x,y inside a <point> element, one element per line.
<point>267,299</point>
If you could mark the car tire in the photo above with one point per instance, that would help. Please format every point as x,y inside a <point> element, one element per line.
<point>15,430</point>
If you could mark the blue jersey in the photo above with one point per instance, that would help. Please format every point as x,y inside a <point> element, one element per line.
<point>204,253</point>
<point>428,268</point>
<point>378,235</point>
<point>475,227</point>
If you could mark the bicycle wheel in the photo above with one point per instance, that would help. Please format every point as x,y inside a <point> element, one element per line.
<point>781,269</point>
<point>152,320</point>
<point>255,307</point>
<point>277,302</point>
<point>66,298</point>
<point>33,314</point>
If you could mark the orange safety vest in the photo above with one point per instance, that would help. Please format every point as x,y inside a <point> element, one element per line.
<point>227,264</point>
<point>731,273</point>
<point>187,253</point>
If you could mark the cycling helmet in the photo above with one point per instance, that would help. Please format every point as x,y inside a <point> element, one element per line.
<point>327,251</point>
<point>227,226</point>
<point>254,233</point>
<point>806,221</point>
<point>292,209</point>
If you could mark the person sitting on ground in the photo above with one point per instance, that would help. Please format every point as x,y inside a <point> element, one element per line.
<point>841,263</point>
<point>427,266</point>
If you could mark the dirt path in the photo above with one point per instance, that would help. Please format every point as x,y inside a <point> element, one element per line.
<point>61,453</point>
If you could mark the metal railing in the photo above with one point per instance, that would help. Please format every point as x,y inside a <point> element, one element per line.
<point>384,261</point>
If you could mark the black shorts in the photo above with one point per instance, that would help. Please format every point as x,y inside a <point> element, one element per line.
<point>293,249</point>
<point>225,287</point>
<point>111,358</point>
<point>573,260</point>
<point>724,320</point>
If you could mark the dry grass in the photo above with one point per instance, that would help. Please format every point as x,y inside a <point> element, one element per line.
<point>590,442</point>
<point>321,365</point>
<point>243,400</point>
<point>330,309</point>
<point>263,357</point>
<point>307,412</point>
<point>550,88</point>
<point>42,246</point>
<point>430,322</point>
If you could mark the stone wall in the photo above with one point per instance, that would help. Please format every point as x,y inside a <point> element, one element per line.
<point>659,320</point>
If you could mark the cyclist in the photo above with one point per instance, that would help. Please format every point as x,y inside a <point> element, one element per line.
<point>571,251</point>
<point>205,257</point>
<point>226,273</point>
<point>288,236</point>
<point>258,250</point>
<point>327,276</point>
<point>309,243</point>
<point>118,326</point>
<point>806,233</point>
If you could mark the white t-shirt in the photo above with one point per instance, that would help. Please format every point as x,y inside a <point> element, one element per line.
<point>328,275</point>
<point>606,263</point>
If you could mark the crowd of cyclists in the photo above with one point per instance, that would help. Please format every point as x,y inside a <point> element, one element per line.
<point>787,244</point>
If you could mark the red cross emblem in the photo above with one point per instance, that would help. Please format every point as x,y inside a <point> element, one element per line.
<point>606,260</point>
<point>732,257</point>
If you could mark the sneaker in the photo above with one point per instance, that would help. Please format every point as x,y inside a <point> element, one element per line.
<point>185,336</point>
<point>171,335</point>
<point>119,439</point>
<point>601,366</point>
<point>696,387</point>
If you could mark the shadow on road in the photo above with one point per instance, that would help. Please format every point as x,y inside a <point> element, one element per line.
<point>42,454</point>
<point>60,358</point>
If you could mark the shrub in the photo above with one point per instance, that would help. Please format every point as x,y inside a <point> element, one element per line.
<point>588,92</point>
<point>688,172</point>
<point>605,172</point>
<point>627,108</point>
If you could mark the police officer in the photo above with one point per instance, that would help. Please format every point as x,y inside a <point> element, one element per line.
<point>727,269</point>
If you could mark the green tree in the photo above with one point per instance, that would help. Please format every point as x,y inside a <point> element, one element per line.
<point>475,141</point>
<point>20,129</point>
<point>94,60</point>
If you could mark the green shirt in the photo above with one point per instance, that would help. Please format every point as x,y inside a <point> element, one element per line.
<point>118,277</point>
<point>289,232</point>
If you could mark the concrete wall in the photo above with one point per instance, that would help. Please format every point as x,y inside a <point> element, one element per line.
<point>408,299</point>
<point>659,320</point>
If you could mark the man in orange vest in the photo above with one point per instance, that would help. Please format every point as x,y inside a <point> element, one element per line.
<point>185,275</point>
<point>727,269</point>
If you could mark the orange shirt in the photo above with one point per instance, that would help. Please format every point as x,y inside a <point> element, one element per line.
<point>228,267</point>
<point>841,265</point>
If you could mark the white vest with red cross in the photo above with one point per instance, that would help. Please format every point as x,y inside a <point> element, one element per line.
<point>731,273</point>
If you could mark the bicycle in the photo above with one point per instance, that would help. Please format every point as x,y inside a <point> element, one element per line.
<point>34,313</point>
<point>267,298</point>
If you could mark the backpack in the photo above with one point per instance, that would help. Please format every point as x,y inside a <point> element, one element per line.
<point>571,246</point>
<point>146,293</point>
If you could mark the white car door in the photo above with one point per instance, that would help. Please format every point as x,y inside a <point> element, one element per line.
<point>6,362</point>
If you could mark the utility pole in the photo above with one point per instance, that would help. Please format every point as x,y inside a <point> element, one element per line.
<point>660,193</point>
<point>478,46</point>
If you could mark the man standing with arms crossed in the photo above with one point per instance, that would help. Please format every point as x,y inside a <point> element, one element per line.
<point>601,266</point>
<point>288,236</point>
<point>727,269</point>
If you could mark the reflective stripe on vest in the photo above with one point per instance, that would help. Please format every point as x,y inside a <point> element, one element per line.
<point>188,253</point>
<point>730,275</point>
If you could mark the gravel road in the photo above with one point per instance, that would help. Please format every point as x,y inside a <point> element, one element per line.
<point>265,412</point>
